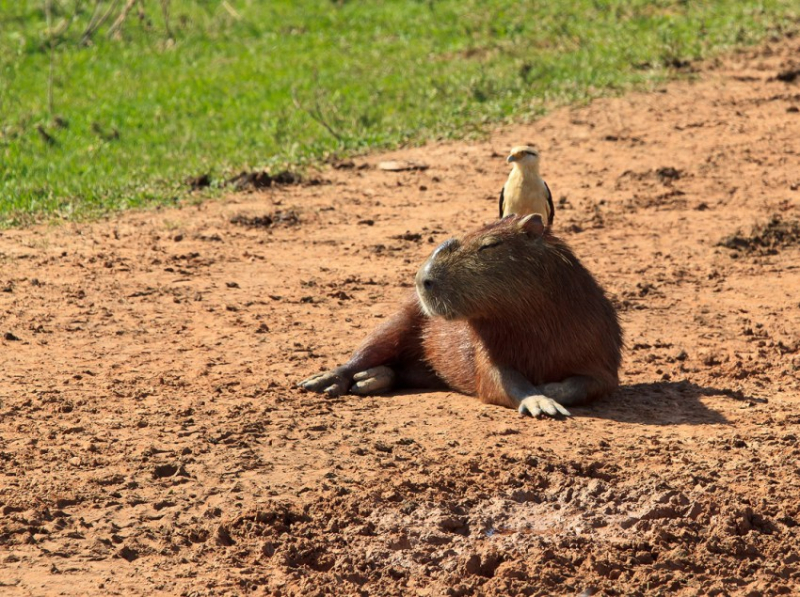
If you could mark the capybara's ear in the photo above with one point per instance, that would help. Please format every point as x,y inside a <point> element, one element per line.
<point>532,224</point>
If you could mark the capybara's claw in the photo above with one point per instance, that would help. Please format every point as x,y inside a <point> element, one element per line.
<point>373,381</point>
<point>333,391</point>
<point>539,405</point>
<point>313,383</point>
<point>329,383</point>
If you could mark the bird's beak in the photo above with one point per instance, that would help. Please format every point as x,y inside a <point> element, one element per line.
<point>510,159</point>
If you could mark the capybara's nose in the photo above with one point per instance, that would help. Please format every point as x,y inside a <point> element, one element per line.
<point>425,280</point>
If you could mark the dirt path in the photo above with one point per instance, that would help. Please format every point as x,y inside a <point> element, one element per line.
<point>152,440</point>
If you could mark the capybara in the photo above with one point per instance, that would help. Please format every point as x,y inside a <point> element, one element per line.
<point>506,313</point>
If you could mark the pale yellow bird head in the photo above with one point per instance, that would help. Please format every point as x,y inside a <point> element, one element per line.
<point>524,156</point>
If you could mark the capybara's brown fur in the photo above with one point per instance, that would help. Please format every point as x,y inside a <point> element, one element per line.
<point>506,313</point>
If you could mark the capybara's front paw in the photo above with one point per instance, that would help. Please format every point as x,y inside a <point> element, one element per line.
<point>373,381</point>
<point>329,382</point>
<point>538,405</point>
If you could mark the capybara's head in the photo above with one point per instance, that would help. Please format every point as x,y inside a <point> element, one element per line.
<point>497,271</point>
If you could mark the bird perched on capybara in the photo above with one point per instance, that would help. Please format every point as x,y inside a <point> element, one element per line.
<point>525,191</point>
<point>506,313</point>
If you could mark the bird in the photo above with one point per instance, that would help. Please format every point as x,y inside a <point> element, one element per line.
<point>525,192</point>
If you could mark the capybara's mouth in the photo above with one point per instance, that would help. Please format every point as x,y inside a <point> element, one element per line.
<point>435,307</point>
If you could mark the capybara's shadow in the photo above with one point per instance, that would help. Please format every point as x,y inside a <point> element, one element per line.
<point>655,403</point>
<point>663,403</point>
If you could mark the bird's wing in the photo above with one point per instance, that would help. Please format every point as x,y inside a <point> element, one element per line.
<point>550,203</point>
<point>502,200</point>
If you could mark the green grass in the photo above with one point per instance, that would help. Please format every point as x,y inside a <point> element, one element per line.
<point>239,84</point>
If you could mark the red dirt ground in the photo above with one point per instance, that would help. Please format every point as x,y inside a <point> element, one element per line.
<point>152,440</point>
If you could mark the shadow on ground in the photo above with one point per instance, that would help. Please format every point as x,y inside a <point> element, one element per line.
<point>665,403</point>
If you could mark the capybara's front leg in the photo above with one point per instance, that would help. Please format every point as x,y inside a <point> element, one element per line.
<point>369,370</point>
<point>507,386</point>
<point>575,390</point>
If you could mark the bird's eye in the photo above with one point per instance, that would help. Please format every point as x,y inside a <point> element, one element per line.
<point>489,243</point>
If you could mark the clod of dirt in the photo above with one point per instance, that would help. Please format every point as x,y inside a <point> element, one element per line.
<point>126,553</point>
<point>765,239</point>
<point>270,520</point>
<point>668,174</point>
<point>283,218</point>
<point>344,165</point>
<point>223,536</point>
<point>263,180</point>
<point>402,165</point>
<point>252,221</point>
<point>711,358</point>
<point>788,75</point>
<point>383,447</point>
<point>484,565</point>
<point>163,471</point>
<point>199,182</point>
<point>513,570</point>
<point>214,237</point>
<point>409,236</point>
<point>454,524</point>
